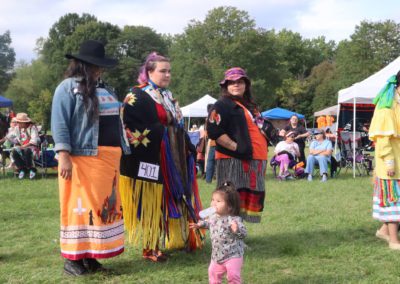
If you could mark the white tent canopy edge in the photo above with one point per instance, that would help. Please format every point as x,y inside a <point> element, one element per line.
<point>198,108</point>
<point>364,92</point>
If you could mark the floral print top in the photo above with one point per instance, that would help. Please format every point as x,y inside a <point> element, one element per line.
<point>225,243</point>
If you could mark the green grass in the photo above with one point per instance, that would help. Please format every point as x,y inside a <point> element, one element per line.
<point>310,233</point>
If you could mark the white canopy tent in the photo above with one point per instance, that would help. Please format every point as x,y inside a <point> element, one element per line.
<point>332,110</point>
<point>365,91</point>
<point>198,108</point>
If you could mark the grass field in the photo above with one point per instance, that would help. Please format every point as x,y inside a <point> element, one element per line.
<point>310,233</point>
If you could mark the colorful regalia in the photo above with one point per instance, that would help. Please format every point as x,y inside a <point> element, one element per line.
<point>158,186</point>
<point>385,132</point>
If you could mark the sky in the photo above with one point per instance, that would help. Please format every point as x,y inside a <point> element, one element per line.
<point>29,20</point>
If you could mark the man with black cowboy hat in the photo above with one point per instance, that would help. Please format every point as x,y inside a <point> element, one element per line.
<point>88,136</point>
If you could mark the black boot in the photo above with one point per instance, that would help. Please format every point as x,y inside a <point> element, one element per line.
<point>92,265</point>
<point>74,267</point>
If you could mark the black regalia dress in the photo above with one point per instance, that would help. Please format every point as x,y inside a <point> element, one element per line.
<point>158,187</point>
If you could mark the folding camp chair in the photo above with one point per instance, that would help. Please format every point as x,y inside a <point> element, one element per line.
<point>46,156</point>
<point>349,146</point>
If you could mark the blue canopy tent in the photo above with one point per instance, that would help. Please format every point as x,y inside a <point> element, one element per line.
<point>280,113</point>
<point>279,117</point>
<point>4,102</point>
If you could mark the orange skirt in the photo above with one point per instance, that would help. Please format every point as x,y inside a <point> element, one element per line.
<point>90,205</point>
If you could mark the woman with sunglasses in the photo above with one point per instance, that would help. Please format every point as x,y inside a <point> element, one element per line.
<point>286,151</point>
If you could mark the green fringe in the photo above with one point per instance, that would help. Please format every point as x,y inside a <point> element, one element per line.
<point>384,99</point>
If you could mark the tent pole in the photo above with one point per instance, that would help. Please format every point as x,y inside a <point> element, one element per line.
<point>189,124</point>
<point>354,137</point>
<point>337,128</point>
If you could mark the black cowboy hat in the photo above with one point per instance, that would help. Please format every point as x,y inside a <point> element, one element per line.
<point>93,52</point>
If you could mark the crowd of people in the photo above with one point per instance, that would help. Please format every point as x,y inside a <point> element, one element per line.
<point>130,166</point>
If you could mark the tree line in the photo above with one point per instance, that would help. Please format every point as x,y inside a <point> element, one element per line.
<point>287,70</point>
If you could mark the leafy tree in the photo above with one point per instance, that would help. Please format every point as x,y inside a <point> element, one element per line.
<point>323,86</point>
<point>372,46</point>
<point>27,90</point>
<point>40,108</point>
<point>293,95</point>
<point>54,48</point>
<point>131,47</point>
<point>226,38</point>
<point>7,60</point>
<point>299,56</point>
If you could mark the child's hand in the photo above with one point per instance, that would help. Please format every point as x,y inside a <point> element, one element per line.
<point>234,226</point>
<point>194,225</point>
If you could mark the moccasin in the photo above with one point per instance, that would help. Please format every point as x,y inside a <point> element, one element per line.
<point>92,265</point>
<point>74,267</point>
<point>154,256</point>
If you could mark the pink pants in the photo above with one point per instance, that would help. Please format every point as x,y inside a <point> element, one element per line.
<point>284,161</point>
<point>231,267</point>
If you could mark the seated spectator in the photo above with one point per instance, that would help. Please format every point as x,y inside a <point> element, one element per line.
<point>26,146</point>
<point>9,140</point>
<point>286,151</point>
<point>320,152</point>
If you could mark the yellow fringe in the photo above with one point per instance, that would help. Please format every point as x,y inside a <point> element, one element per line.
<point>149,227</point>
<point>178,231</point>
<point>176,239</point>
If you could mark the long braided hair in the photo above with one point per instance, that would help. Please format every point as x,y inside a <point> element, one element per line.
<point>87,86</point>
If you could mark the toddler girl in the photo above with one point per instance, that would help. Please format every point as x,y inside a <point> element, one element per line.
<point>226,232</point>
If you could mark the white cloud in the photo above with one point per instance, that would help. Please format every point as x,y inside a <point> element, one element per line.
<point>336,19</point>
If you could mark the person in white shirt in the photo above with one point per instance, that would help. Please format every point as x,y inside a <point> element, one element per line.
<point>286,151</point>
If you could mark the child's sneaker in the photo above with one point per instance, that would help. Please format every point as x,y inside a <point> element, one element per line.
<point>309,178</point>
<point>324,178</point>
<point>32,174</point>
<point>21,174</point>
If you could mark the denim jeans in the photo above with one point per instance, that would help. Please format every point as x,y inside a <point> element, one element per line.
<point>210,164</point>
<point>322,162</point>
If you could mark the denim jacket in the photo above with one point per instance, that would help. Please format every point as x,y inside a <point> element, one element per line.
<point>70,125</point>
